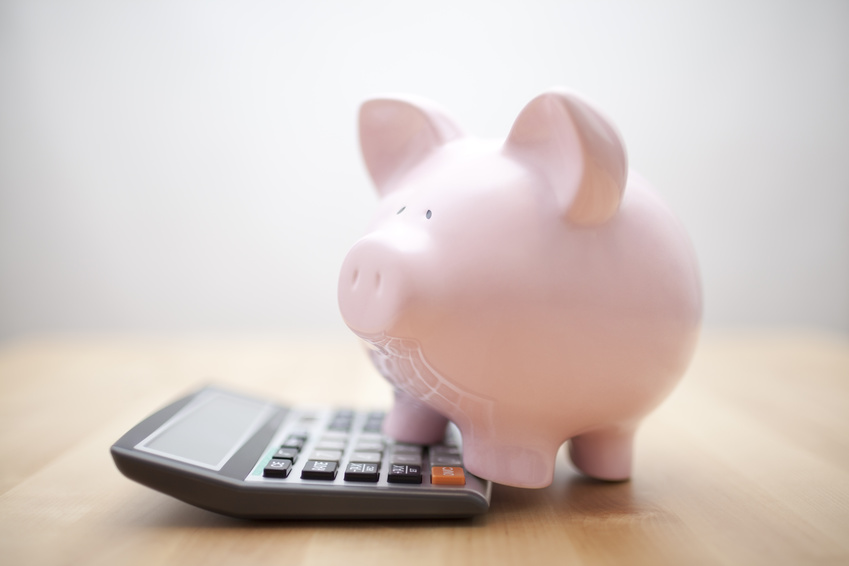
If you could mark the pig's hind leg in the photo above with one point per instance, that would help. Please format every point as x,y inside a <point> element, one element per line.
<point>411,421</point>
<point>604,454</point>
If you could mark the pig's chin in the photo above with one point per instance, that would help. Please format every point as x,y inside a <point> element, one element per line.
<point>374,342</point>
<point>403,363</point>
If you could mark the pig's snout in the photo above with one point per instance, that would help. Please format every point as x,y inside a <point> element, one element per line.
<point>372,287</point>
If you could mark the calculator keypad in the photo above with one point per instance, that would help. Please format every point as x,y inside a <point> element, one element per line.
<point>351,442</point>
<point>296,462</point>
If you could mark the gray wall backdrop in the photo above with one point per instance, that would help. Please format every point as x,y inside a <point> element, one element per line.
<point>172,166</point>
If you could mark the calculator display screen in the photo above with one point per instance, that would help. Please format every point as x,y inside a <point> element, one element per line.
<point>208,431</point>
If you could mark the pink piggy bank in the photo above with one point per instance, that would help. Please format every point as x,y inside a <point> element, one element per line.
<point>533,290</point>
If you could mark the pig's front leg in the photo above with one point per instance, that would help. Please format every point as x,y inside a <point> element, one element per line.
<point>521,459</point>
<point>604,454</point>
<point>411,421</point>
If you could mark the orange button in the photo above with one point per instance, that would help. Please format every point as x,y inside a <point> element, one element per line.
<point>447,475</point>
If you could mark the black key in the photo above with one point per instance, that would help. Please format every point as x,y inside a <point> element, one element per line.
<point>286,454</point>
<point>362,471</point>
<point>400,473</point>
<point>319,470</point>
<point>294,442</point>
<point>277,468</point>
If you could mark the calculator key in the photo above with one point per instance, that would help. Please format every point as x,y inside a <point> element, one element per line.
<point>447,475</point>
<point>369,446</point>
<point>277,468</point>
<point>445,460</point>
<point>335,435</point>
<point>340,424</point>
<point>399,473</point>
<point>319,470</point>
<point>362,456</point>
<point>331,444</point>
<point>374,422</point>
<point>410,459</point>
<point>294,442</point>
<point>407,449</point>
<point>362,471</point>
<point>286,454</point>
<point>329,455</point>
<point>442,450</point>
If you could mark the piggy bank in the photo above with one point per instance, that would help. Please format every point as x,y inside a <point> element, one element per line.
<point>532,290</point>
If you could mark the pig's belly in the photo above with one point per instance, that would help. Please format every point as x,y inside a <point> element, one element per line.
<point>571,409</point>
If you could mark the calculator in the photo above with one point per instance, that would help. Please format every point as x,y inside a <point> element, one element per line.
<point>256,459</point>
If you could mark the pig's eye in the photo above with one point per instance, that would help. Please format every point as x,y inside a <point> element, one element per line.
<point>403,208</point>
<point>428,214</point>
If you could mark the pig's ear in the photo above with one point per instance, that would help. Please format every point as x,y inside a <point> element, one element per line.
<point>577,150</point>
<point>397,133</point>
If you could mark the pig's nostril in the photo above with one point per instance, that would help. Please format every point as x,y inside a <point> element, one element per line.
<point>377,280</point>
<point>355,277</point>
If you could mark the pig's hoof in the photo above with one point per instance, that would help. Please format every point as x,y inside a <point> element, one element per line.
<point>604,455</point>
<point>413,423</point>
<point>517,466</point>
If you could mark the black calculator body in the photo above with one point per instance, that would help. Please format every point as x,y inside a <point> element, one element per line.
<point>255,459</point>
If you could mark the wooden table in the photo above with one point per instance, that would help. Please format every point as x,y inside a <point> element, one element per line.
<point>746,463</point>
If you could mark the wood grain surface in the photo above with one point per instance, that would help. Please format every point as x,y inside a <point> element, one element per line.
<point>746,463</point>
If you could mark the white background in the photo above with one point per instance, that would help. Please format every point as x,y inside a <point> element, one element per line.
<point>170,166</point>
